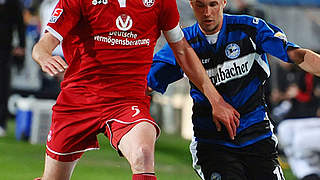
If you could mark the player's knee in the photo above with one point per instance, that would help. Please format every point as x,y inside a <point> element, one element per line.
<point>142,159</point>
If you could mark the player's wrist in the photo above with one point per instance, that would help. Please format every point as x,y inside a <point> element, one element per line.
<point>212,95</point>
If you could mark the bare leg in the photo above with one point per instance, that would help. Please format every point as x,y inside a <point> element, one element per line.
<point>138,147</point>
<point>57,170</point>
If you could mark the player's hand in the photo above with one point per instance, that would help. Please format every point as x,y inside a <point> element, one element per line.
<point>53,65</point>
<point>224,113</point>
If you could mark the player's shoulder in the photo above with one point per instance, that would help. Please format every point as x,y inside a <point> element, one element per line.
<point>191,31</point>
<point>243,20</point>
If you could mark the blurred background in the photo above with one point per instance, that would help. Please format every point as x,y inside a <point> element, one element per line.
<point>27,94</point>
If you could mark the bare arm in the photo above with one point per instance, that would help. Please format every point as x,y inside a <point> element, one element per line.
<point>306,59</point>
<point>191,65</point>
<point>42,54</point>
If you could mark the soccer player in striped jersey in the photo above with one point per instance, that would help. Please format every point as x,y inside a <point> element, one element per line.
<point>233,50</point>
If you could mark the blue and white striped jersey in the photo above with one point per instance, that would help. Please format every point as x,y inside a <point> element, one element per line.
<point>238,67</point>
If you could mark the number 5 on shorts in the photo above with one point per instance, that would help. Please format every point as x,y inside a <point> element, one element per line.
<point>135,108</point>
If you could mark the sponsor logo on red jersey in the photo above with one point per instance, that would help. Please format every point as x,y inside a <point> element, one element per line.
<point>124,22</point>
<point>55,15</point>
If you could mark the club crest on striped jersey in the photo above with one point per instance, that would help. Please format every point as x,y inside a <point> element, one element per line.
<point>232,51</point>
<point>55,15</point>
<point>148,3</point>
<point>124,22</point>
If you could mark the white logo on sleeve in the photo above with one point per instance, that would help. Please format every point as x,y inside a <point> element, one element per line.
<point>255,20</point>
<point>135,108</point>
<point>55,15</point>
<point>124,22</point>
<point>281,36</point>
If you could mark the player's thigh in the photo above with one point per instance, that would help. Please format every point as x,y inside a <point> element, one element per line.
<point>262,161</point>
<point>214,164</point>
<point>141,135</point>
<point>265,169</point>
<point>137,146</point>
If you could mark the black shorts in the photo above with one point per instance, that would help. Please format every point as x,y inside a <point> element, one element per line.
<point>255,162</point>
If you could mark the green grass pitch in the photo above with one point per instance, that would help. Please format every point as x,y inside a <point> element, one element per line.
<point>20,160</point>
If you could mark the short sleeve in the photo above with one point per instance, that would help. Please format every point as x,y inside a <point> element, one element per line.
<point>169,16</point>
<point>65,16</point>
<point>273,40</point>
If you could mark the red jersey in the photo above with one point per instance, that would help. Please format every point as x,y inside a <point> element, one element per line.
<point>109,44</point>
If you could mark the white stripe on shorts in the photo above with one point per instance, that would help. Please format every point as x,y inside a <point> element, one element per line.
<point>69,153</point>
<point>193,150</point>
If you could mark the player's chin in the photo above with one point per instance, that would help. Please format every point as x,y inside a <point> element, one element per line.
<point>209,29</point>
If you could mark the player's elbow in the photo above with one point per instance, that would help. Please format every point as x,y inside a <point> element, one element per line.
<point>34,52</point>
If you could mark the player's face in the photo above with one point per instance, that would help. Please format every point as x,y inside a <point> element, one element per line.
<point>209,14</point>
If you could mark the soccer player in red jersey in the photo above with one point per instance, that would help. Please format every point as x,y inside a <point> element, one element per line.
<point>108,47</point>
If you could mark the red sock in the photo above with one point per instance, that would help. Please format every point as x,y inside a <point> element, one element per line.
<point>144,177</point>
